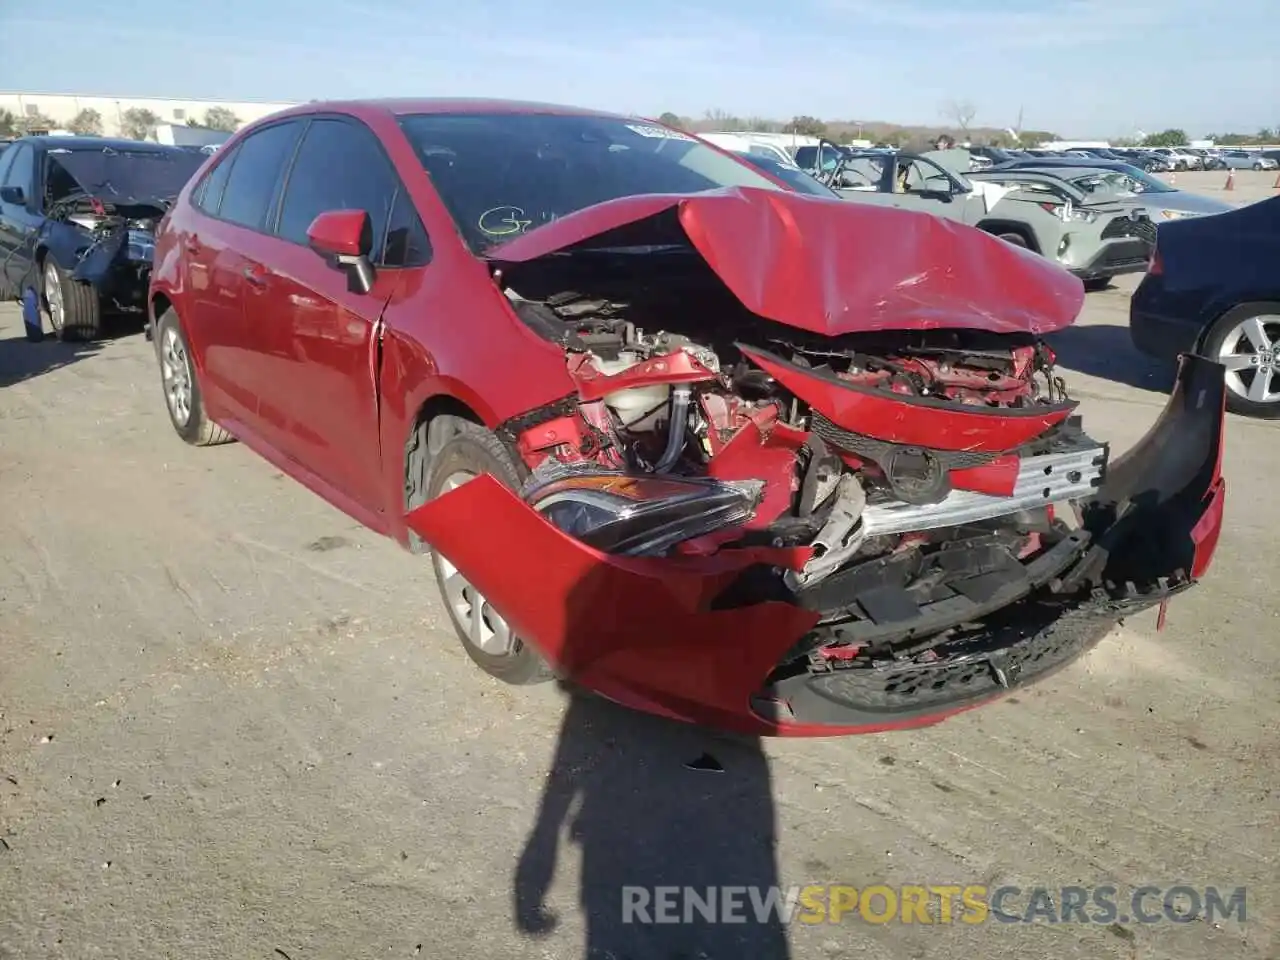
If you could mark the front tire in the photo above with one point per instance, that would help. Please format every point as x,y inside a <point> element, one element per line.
<point>485,635</point>
<point>182,396</point>
<point>1246,340</point>
<point>71,308</point>
<point>1017,239</point>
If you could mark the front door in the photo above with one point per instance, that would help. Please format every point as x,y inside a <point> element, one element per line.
<point>321,339</point>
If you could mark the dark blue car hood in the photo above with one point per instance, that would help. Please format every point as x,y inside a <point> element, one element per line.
<point>152,175</point>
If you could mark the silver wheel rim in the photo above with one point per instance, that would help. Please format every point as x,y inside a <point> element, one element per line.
<point>53,297</point>
<point>485,628</point>
<point>1251,354</point>
<point>175,372</point>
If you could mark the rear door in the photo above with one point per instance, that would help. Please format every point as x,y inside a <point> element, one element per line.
<point>322,376</point>
<point>19,222</point>
<point>7,240</point>
<point>225,259</point>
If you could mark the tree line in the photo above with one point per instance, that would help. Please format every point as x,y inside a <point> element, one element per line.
<point>136,123</point>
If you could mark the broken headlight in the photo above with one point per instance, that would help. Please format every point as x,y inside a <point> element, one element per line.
<point>641,515</point>
<point>140,244</point>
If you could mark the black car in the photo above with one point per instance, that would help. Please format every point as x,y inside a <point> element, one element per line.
<point>77,222</point>
<point>1212,288</point>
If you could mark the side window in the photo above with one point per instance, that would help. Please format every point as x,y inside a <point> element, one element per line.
<point>251,190</point>
<point>208,195</point>
<point>22,172</point>
<point>341,166</point>
<point>921,174</point>
<point>407,244</point>
<point>6,161</point>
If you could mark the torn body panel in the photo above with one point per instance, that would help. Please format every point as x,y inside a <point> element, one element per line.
<point>896,639</point>
<point>739,501</point>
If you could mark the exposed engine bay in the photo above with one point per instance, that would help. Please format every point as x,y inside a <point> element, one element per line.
<point>101,208</point>
<point>736,434</point>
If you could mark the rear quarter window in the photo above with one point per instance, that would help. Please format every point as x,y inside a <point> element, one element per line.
<point>208,193</point>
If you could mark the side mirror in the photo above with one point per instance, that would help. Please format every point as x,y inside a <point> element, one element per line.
<point>13,195</point>
<point>345,239</point>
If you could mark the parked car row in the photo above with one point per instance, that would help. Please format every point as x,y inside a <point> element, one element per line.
<point>1097,218</point>
<point>671,424</point>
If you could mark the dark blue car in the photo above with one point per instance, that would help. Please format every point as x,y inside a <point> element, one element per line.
<point>1213,288</point>
<point>77,221</point>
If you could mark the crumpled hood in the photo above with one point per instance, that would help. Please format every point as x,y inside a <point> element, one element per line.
<point>122,177</point>
<point>828,266</point>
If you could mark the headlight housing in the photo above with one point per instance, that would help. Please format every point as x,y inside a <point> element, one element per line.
<point>639,515</point>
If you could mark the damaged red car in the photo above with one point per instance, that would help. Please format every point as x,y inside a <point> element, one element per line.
<point>668,429</point>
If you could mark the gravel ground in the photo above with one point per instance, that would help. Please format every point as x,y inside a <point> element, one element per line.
<point>233,725</point>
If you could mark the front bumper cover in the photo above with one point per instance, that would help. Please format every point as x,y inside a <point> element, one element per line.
<point>646,631</point>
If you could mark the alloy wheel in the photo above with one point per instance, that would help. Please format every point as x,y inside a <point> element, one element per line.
<point>486,629</point>
<point>1251,354</point>
<point>53,297</point>
<point>175,373</point>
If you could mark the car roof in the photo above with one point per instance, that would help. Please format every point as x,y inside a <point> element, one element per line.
<point>47,142</point>
<point>404,106</point>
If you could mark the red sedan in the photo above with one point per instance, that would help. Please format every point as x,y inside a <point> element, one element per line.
<point>710,447</point>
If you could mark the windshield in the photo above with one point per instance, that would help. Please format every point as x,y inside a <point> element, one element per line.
<point>508,173</point>
<point>792,176</point>
<point>1124,180</point>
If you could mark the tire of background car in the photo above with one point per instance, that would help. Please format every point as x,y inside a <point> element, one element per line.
<point>72,308</point>
<point>181,385</point>
<point>1213,342</point>
<point>1257,166</point>
<point>471,451</point>
<point>1094,284</point>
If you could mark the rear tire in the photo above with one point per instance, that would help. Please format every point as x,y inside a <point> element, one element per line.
<point>181,385</point>
<point>485,635</point>
<point>1017,239</point>
<point>72,308</point>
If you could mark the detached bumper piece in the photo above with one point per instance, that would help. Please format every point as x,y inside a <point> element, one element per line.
<point>588,567</point>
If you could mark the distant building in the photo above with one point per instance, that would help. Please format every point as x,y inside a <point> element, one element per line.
<point>60,109</point>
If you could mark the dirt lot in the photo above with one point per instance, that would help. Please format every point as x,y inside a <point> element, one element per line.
<point>232,725</point>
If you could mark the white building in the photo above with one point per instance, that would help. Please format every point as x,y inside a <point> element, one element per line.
<point>114,112</point>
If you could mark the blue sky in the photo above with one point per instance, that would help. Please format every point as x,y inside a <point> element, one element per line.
<point>1077,67</point>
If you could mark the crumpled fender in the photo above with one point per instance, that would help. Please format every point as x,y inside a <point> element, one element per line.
<point>100,257</point>
<point>636,630</point>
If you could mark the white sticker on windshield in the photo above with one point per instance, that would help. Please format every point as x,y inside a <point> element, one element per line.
<point>657,133</point>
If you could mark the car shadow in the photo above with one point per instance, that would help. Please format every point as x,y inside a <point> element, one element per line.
<point>1106,351</point>
<point>652,803</point>
<point>21,359</point>
<point>26,354</point>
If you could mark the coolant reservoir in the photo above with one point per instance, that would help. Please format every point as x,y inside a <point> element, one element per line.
<point>635,405</point>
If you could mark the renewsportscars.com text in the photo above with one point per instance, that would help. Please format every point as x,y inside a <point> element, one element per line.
<point>931,904</point>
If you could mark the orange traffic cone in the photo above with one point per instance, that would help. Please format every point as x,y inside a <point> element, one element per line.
<point>1276,185</point>
<point>1231,181</point>
<point>1173,178</point>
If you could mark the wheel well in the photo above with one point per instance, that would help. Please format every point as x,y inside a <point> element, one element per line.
<point>1011,226</point>
<point>159,304</point>
<point>432,428</point>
